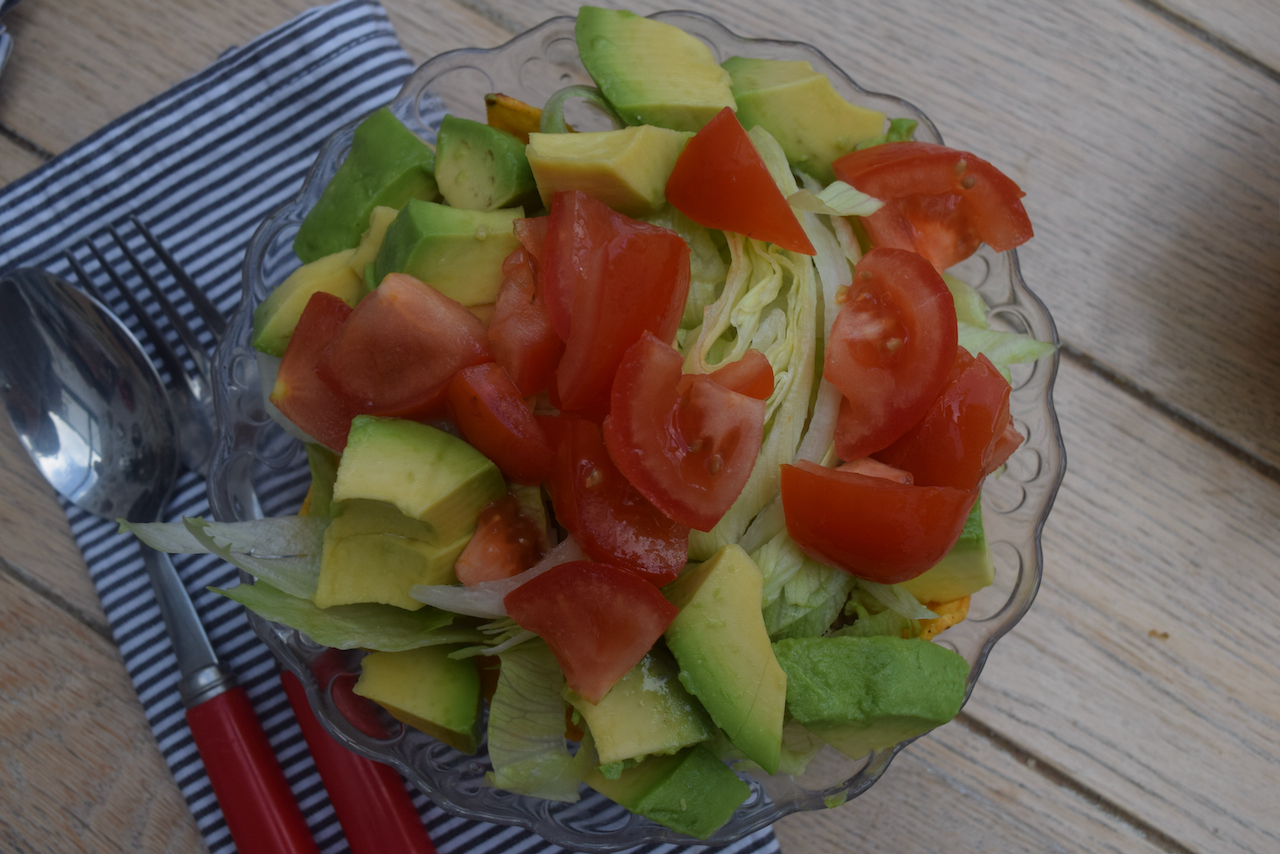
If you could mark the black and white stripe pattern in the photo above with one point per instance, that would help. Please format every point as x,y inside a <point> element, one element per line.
<point>203,164</point>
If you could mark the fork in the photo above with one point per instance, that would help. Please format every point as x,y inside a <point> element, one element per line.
<point>190,389</point>
<point>369,798</point>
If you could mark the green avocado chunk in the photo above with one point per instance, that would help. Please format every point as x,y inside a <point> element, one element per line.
<point>963,571</point>
<point>388,165</point>
<point>646,712</point>
<point>866,693</point>
<point>652,73</point>
<point>691,791</point>
<point>277,316</point>
<point>721,643</point>
<point>480,168</point>
<point>427,690</point>
<point>458,252</point>
<point>801,110</point>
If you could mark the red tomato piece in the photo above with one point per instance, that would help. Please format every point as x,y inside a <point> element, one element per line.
<point>520,331</point>
<point>720,181</point>
<point>953,444</point>
<point>606,279</point>
<point>940,202</point>
<point>892,345</point>
<point>318,410</point>
<point>402,344</point>
<point>610,519</point>
<point>598,619</point>
<point>506,543</point>
<point>685,441</point>
<point>871,527</point>
<point>532,234</point>
<point>751,375</point>
<point>1006,443</point>
<point>493,417</point>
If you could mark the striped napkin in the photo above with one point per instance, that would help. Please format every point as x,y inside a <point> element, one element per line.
<point>203,164</point>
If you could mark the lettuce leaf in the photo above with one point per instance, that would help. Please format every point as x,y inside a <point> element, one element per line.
<point>526,728</point>
<point>365,626</point>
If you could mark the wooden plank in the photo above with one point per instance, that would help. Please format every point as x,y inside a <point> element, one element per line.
<point>81,771</point>
<point>1147,668</point>
<point>955,790</point>
<point>1147,160</point>
<point>1249,26</point>
<point>16,161</point>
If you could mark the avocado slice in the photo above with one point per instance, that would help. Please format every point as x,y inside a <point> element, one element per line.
<point>275,318</point>
<point>480,168</point>
<point>366,252</point>
<point>726,661</point>
<point>867,693</point>
<point>381,567</point>
<point>458,252</point>
<point>801,110</point>
<point>652,73</point>
<point>427,474</point>
<point>691,791</point>
<point>387,165</point>
<point>646,712</point>
<point>426,689</point>
<point>626,169</point>
<point>963,571</point>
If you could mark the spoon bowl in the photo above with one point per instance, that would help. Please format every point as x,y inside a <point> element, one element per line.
<point>86,402</point>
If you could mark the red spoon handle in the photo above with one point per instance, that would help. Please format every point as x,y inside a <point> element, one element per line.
<point>369,798</point>
<point>250,785</point>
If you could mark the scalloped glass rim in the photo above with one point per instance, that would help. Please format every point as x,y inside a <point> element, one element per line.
<point>254,456</point>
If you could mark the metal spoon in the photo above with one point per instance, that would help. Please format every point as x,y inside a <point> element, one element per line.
<point>91,410</point>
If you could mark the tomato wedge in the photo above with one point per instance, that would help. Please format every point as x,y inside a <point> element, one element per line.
<point>611,520</point>
<point>520,332</point>
<point>493,417</point>
<point>953,444</point>
<point>318,410</point>
<point>939,201</point>
<point>506,543</point>
<point>402,344</point>
<point>606,279</point>
<point>892,346</point>
<point>751,375</point>
<point>871,527</point>
<point>598,619</point>
<point>720,181</point>
<point>685,441</point>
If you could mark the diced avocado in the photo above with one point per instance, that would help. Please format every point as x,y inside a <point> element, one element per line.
<point>866,693</point>
<point>381,567</point>
<point>426,473</point>
<point>323,464</point>
<point>366,253</point>
<point>646,712</point>
<point>427,690</point>
<point>457,252</point>
<point>276,317</point>
<point>963,571</point>
<point>801,110</point>
<point>626,169</point>
<point>691,791</point>
<point>367,516</point>
<point>651,72</point>
<point>726,660</point>
<point>387,165</point>
<point>480,168</point>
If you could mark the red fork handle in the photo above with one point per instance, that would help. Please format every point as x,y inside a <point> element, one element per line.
<point>370,799</point>
<point>261,812</point>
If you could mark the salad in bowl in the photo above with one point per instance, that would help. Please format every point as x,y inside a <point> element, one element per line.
<point>635,432</point>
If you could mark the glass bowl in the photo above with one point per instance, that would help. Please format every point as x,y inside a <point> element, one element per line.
<point>258,468</point>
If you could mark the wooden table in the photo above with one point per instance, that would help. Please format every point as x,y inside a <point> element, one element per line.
<point>1137,707</point>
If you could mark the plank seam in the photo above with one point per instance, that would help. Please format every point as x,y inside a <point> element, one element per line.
<point>25,144</point>
<point>58,601</point>
<point>495,16</point>
<point>1211,39</point>
<point>1060,778</point>
<point>1182,419</point>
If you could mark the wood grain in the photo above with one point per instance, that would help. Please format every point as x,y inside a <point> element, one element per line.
<point>80,771</point>
<point>1249,26</point>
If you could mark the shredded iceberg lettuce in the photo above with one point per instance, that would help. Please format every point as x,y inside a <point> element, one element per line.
<point>801,597</point>
<point>527,746</point>
<point>1002,348</point>
<point>366,626</point>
